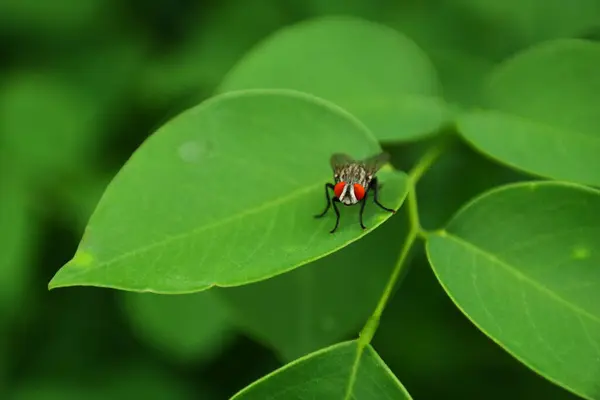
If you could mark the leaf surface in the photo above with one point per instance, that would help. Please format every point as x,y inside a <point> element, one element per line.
<point>371,70</point>
<point>542,112</point>
<point>521,262</point>
<point>325,374</point>
<point>224,194</point>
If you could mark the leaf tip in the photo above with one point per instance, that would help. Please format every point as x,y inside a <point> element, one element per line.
<point>81,259</point>
<point>58,280</point>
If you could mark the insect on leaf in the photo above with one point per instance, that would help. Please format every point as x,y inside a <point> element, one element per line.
<point>214,197</point>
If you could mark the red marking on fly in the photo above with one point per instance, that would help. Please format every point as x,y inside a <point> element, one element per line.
<point>354,180</point>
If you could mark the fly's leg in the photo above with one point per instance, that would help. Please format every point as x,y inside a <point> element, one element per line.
<point>375,186</point>
<point>337,214</point>
<point>327,186</point>
<point>362,208</point>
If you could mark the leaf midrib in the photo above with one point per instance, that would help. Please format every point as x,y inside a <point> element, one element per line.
<point>231,218</point>
<point>519,275</point>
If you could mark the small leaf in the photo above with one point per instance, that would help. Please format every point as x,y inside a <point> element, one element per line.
<point>325,374</point>
<point>372,71</point>
<point>225,194</point>
<point>521,262</point>
<point>543,114</point>
<point>187,327</point>
<point>323,302</point>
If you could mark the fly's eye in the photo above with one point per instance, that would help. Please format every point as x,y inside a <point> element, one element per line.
<point>339,189</point>
<point>359,191</point>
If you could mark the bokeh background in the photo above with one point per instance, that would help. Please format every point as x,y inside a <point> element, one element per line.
<point>84,82</point>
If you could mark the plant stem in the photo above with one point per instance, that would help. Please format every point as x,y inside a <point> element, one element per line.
<point>415,231</point>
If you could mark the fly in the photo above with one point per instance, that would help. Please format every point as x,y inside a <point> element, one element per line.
<point>353,182</point>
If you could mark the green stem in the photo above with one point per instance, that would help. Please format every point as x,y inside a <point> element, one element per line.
<point>415,231</point>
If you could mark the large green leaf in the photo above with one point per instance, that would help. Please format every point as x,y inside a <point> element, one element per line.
<point>542,114</point>
<point>374,72</point>
<point>326,374</point>
<point>322,303</point>
<point>521,262</point>
<point>188,327</point>
<point>225,194</point>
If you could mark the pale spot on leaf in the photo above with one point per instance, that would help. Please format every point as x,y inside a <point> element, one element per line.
<point>580,253</point>
<point>192,151</point>
<point>82,259</point>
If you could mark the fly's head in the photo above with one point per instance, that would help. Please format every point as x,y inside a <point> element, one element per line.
<point>352,178</point>
<point>351,183</point>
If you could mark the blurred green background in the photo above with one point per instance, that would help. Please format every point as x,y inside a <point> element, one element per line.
<point>84,82</point>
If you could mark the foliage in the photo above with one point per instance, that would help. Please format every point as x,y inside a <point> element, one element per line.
<point>185,148</point>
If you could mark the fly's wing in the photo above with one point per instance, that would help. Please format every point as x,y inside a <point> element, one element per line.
<point>374,163</point>
<point>340,160</point>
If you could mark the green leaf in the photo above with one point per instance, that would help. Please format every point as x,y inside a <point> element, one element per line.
<point>372,71</point>
<point>225,194</point>
<point>314,308</point>
<point>521,262</point>
<point>325,374</point>
<point>543,116</point>
<point>188,327</point>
